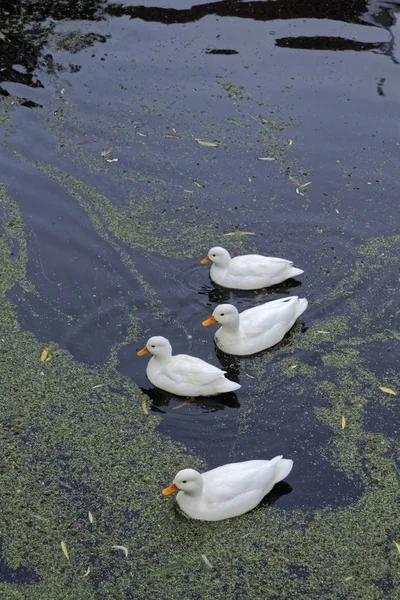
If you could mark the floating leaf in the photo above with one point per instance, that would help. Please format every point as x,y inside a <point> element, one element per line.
<point>388,390</point>
<point>141,134</point>
<point>265,158</point>
<point>90,516</point>
<point>87,572</point>
<point>144,407</point>
<point>348,578</point>
<point>96,387</point>
<point>175,542</point>
<point>123,548</point>
<point>44,355</point>
<point>170,135</point>
<point>343,422</point>
<point>322,331</point>
<point>238,233</point>
<point>64,549</point>
<point>293,367</point>
<point>204,143</point>
<point>397,546</point>
<point>206,561</point>
<point>112,159</point>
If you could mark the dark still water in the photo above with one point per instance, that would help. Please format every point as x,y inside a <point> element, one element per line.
<point>134,138</point>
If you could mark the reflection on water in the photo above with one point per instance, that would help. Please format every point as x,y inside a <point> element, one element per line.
<point>259,10</point>
<point>26,27</point>
<point>160,398</point>
<point>327,43</point>
<point>220,295</point>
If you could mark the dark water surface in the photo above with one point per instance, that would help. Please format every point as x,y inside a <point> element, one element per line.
<point>101,104</point>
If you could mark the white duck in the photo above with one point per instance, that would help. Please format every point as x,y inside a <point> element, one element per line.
<point>227,491</point>
<point>182,374</point>
<point>248,272</point>
<point>257,328</point>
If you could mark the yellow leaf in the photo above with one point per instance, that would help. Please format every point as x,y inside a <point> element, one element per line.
<point>343,422</point>
<point>348,578</point>
<point>203,143</point>
<point>388,390</point>
<point>144,407</point>
<point>90,516</point>
<point>44,355</point>
<point>64,549</point>
<point>397,546</point>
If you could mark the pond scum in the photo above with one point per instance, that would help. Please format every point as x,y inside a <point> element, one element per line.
<point>82,467</point>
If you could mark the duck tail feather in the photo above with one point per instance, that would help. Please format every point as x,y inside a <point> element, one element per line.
<point>294,272</point>
<point>283,469</point>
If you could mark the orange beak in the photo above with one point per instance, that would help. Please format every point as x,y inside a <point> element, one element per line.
<point>209,321</point>
<point>205,260</point>
<point>170,490</point>
<point>143,351</point>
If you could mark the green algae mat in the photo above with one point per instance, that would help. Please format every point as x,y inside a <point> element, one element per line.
<point>82,469</point>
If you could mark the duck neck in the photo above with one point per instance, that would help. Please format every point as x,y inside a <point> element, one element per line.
<point>233,325</point>
<point>223,262</point>
<point>163,357</point>
<point>197,491</point>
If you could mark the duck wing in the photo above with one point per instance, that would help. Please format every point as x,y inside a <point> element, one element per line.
<point>189,369</point>
<point>229,481</point>
<point>255,321</point>
<point>256,265</point>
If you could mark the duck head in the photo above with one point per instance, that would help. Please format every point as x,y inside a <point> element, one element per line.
<point>158,346</point>
<point>224,314</point>
<point>217,255</point>
<point>188,480</point>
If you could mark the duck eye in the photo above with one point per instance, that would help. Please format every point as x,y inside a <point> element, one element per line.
<point>214,255</point>
<point>222,314</point>
<point>153,346</point>
<point>184,482</point>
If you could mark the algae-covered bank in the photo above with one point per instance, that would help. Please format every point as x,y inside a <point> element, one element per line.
<point>132,139</point>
